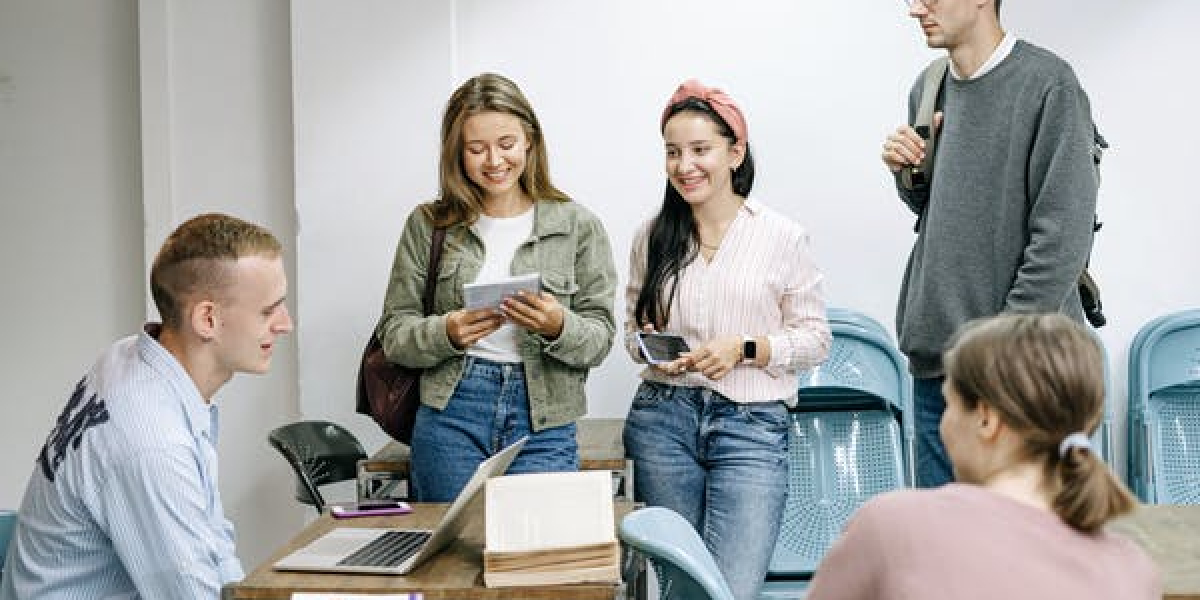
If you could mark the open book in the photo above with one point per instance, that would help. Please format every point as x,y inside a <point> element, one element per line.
<point>550,528</point>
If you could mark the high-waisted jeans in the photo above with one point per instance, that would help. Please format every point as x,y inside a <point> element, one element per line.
<point>720,464</point>
<point>488,411</point>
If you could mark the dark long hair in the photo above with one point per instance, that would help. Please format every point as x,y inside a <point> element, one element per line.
<point>674,241</point>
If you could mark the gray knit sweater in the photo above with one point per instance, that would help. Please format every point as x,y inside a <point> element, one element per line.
<point>1009,220</point>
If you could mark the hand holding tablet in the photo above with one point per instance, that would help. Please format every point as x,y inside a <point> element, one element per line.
<point>489,294</point>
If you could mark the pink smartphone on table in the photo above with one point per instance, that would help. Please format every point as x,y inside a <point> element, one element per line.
<point>369,509</point>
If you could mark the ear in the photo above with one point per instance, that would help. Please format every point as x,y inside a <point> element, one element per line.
<point>989,425</point>
<point>738,151</point>
<point>203,317</point>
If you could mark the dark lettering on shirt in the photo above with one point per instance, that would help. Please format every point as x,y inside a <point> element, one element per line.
<point>78,416</point>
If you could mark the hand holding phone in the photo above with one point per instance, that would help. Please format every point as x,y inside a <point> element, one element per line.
<point>369,509</point>
<point>660,348</point>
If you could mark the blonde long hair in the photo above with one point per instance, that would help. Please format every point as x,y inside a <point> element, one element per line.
<point>460,200</point>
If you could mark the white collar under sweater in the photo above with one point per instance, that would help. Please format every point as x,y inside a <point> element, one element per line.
<point>1000,53</point>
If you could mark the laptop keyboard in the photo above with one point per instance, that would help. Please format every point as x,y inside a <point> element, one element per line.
<point>387,550</point>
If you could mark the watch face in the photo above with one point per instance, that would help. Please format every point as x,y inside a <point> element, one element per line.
<point>749,349</point>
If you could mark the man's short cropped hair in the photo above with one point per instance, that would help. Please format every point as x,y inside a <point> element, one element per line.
<point>194,261</point>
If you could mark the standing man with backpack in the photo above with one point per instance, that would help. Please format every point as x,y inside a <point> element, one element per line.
<point>1005,213</point>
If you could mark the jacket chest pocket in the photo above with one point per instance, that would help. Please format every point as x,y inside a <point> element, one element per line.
<point>562,284</point>
<point>448,295</point>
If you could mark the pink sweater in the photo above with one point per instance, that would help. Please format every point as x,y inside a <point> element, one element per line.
<point>965,542</point>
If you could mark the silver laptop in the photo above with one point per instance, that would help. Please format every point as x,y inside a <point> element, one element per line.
<point>395,551</point>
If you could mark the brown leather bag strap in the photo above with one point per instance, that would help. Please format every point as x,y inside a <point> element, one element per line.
<point>436,242</point>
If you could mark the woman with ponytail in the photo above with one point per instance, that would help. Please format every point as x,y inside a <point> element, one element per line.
<point>1027,518</point>
<point>735,279</point>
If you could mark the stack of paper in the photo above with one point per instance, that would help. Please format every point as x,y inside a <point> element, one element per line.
<point>550,528</point>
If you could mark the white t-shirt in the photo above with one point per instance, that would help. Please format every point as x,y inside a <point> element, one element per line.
<point>501,237</point>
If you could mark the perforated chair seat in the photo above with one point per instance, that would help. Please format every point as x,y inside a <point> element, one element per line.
<point>850,438</point>
<point>1173,426</point>
<point>838,460</point>
<point>1164,410</point>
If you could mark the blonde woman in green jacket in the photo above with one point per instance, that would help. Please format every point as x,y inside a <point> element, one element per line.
<point>494,375</point>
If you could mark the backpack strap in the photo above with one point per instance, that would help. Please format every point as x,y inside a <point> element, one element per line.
<point>918,176</point>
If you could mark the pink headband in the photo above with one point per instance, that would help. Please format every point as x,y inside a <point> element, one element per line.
<point>720,102</point>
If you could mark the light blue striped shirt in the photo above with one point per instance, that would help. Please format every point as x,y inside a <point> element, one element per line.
<point>123,500</point>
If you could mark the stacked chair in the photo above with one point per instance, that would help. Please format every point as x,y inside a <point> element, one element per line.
<point>8,522</point>
<point>1102,438</point>
<point>1164,410</point>
<point>850,438</point>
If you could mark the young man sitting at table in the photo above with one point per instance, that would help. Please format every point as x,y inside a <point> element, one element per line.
<point>123,501</point>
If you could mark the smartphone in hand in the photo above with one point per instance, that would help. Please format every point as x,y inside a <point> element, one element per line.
<point>661,348</point>
<point>370,509</point>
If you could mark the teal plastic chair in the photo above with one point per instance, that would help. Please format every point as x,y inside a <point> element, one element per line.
<point>685,568</point>
<point>850,438</point>
<point>8,522</point>
<point>1102,438</point>
<point>319,453</point>
<point>1164,410</point>
<point>845,315</point>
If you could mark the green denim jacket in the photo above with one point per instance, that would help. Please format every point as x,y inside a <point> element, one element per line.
<point>570,249</point>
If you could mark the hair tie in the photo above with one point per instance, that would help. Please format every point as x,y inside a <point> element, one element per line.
<point>1075,440</point>
<point>720,102</point>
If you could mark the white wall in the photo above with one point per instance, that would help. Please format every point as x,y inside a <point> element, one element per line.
<point>371,83</point>
<point>217,127</point>
<point>70,209</point>
<point>211,113</point>
<point>821,83</point>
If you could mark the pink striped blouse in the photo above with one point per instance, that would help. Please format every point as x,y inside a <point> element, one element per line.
<point>762,281</point>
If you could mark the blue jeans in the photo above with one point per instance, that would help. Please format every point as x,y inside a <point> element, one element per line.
<point>488,411</point>
<point>721,465</point>
<point>933,464</point>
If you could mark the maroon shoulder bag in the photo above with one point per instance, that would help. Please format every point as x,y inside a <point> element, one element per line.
<point>389,392</point>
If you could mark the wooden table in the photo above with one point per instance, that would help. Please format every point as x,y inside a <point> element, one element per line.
<point>456,571</point>
<point>600,449</point>
<point>1170,534</point>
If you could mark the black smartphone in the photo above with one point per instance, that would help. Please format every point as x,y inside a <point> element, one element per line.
<point>661,347</point>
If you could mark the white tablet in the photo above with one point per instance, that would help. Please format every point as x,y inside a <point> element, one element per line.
<point>489,294</point>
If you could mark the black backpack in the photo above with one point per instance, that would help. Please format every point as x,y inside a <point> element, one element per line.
<point>917,178</point>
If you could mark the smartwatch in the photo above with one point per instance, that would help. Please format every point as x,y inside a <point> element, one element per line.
<point>749,349</point>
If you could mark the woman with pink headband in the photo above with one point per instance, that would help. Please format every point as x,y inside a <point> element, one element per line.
<point>1026,519</point>
<point>735,279</point>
